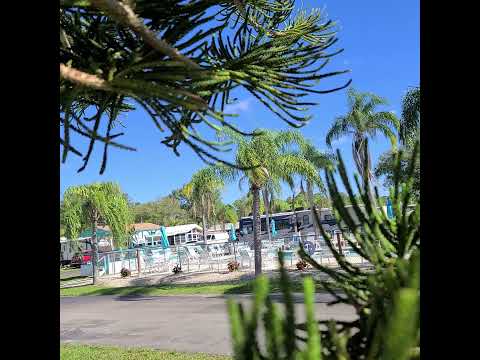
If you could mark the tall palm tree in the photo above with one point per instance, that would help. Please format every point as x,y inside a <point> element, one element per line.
<point>270,189</point>
<point>85,205</point>
<point>409,134</point>
<point>410,120</point>
<point>204,190</point>
<point>265,158</point>
<point>321,160</point>
<point>363,122</point>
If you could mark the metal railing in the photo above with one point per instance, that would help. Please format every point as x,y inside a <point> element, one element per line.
<point>195,258</point>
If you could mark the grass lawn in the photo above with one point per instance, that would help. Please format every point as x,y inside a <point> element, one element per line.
<point>239,287</point>
<point>88,352</point>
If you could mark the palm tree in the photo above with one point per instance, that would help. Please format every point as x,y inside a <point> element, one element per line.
<point>204,190</point>
<point>363,122</point>
<point>85,205</point>
<point>409,134</point>
<point>321,160</point>
<point>226,214</point>
<point>263,160</point>
<point>410,121</point>
<point>269,190</point>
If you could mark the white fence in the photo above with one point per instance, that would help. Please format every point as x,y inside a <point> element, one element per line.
<point>194,258</point>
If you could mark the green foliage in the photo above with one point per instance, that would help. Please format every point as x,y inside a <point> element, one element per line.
<point>226,214</point>
<point>410,121</point>
<point>85,206</point>
<point>62,223</point>
<point>280,205</point>
<point>265,161</point>
<point>181,62</point>
<point>69,351</point>
<point>166,211</point>
<point>243,205</point>
<point>300,202</point>
<point>270,156</point>
<point>385,295</point>
<point>203,191</point>
<point>386,167</point>
<point>362,122</point>
<point>409,134</point>
<point>322,201</point>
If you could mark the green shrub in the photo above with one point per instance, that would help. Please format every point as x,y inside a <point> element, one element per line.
<point>384,295</point>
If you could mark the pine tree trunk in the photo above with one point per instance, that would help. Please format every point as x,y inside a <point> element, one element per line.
<point>267,215</point>
<point>313,209</point>
<point>257,244</point>
<point>94,248</point>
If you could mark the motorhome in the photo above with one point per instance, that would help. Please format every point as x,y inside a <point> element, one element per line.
<point>285,222</point>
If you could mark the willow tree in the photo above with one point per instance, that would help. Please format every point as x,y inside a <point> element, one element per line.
<point>362,122</point>
<point>181,62</point>
<point>270,156</point>
<point>203,191</point>
<point>85,206</point>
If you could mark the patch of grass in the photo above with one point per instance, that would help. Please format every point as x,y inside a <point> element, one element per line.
<point>164,289</point>
<point>88,352</point>
<point>239,287</point>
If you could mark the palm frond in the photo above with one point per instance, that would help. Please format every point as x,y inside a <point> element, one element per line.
<point>410,121</point>
<point>340,128</point>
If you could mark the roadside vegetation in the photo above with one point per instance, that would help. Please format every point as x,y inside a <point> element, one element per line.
<point>89,352</point>
<point>238,287</point>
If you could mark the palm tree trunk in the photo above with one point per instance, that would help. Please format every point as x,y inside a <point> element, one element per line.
<point>94,248</point>
<point>204,227</point>
<point>204,221</point>
<point>267,215</point>
<point>313,209</point>
<point>257,245</point>
<point>361,156</point>
<point>339,244</point>
<point>294,213</point>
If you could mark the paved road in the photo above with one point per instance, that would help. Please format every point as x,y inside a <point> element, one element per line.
<point>183,323</point>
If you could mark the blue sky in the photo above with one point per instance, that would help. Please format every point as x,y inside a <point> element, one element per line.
<point>382,49</point>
